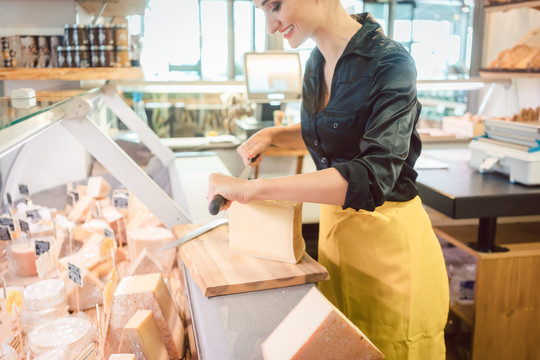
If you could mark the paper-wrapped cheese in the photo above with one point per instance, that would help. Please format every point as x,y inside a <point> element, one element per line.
<point>98,187</point>
<point>315,329</point>
<point>145,292</point>
<point>141,337</point>
<point>44,294</point>
<point>152,239</point>
<point>74,333</point>
<point>122,357</point>
<point>267,229</point>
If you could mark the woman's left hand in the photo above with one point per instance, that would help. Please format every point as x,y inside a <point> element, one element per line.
<point>231,188</point>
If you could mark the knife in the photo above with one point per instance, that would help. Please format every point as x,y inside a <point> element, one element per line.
<point>193,234</point>
<point>218,201</point>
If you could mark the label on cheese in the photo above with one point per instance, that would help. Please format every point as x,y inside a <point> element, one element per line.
<point>42,246</point>
<point>88,354</point>
<point>23,190</point>
<point>75,274</point>
<point>120,199</point>
<point>14,299</point>
<point>24,226</point>
<point>8,221</point>
<point>5,234</point>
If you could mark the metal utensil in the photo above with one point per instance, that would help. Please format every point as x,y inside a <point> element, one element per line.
<point>193,234</point>
<point>218,201</point>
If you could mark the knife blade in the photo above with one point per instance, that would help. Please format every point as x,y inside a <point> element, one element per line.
<point>193,234</point>
<point>218,201</point>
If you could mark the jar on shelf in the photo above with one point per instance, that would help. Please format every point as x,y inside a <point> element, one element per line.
<point>68,50</point>
<point>104,34</point>
<point>102,56</point>
<point>121,37</point>
<point>76,35</point>
<point>81,57</point>
<point>122,56</point>
<point>61,51</point>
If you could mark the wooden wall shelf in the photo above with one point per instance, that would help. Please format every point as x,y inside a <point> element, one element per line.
<point>71,73</point>
<point>500,74</point>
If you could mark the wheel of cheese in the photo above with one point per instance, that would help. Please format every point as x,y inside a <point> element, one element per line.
<point>32,319</point>
<point>9,353</point>
<point>45,294</point>
<point>73,332</point>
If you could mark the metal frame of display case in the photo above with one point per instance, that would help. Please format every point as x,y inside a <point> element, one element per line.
<point>74,116</point>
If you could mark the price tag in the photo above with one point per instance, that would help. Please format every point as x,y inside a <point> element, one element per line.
<point>108,233</point>
<point>9,199</point>
<point>5,326</point>
<point>88,354</point>
<point>13,298</point>
<point>33,215</point>
<point>75,274</point>
<point>7,221</point>
<point>42,246</point>
<point>24,226</point>
<point>23,190</point>
<point>75,195</point>
<point>5,234</point>
<point>120,199</point>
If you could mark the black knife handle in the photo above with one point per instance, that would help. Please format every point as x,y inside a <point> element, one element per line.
<point>216,204</point>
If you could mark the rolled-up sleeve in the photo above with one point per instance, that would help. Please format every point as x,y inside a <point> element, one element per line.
<point>384,147</point>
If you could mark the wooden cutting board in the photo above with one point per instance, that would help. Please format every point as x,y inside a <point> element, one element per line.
<point>218,271</point>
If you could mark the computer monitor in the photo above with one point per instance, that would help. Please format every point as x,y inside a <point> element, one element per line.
<point>272,78</point>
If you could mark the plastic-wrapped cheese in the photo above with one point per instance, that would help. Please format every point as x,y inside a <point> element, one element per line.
<point>141,337</point>
<point>32,319</point>
<point>152,238</point>
<point>44,294</point>
<point>267,229</point>
<point>97,187</point>
<point>122,357</point>
<point>145,292</point>
<point>58,353</point>
<point>22,257</point>
<point>75,333</point>
<point>315,329</point>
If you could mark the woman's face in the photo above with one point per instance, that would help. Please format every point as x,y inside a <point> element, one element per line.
<point>292,18</point>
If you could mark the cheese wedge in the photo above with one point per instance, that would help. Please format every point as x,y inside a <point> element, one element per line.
<point>81,209</point>
<point>147,292</point>
<point>315,329</point>
<point>98,187</point>
<point>152,239</point>
<point>267,229</point>
<point>142,338</point>
<point>145,263</point>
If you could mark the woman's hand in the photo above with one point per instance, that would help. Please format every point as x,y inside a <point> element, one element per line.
<point>231,188</point>
<point>257,144</point>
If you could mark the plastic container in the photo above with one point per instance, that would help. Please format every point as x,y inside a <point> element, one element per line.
<point>462,285</point>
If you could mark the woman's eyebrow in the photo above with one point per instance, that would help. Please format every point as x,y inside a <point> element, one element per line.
<point>264,3</point>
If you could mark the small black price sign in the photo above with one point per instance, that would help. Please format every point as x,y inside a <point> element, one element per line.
<point>5,234</point>
<point>74,274</point>
<point>121,199</point>
<point>7,221</point>
<point>24,226</point>
<point>33,215</point>
<point>9,199</point>
<point>108,233</point>
<point>42,247</point>
<point>23,190</point>
<point>75,195</point>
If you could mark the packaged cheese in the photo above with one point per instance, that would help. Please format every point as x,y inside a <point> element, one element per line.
<point>141,337</point>
<point>147,292</point>
<point>152,238</point>
<point>267,229</point>
<point>122,357</point>
<point>74,333</point>
<point>44,294</point>
<point>22,257</point>
<point>315,329</point>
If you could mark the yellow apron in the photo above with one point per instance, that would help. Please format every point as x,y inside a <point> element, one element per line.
<point>387,275</point>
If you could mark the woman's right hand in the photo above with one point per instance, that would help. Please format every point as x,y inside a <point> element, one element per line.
<point>257,144</point>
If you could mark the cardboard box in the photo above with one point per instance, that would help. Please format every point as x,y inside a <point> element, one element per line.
<point>11,51</point>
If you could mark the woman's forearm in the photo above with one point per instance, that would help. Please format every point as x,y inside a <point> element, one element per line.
<point>287,136</point>
<point>322,187</point>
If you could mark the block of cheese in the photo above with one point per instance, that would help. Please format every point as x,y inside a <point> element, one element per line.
<point>267,229</point>
<point>141,337</point>
<point>315,329</point>
<point>97,187</point>
<point>145,263</point>
<point>152,238</point>
<point>81,209</point>
<point>116,221</point>
<point>147,292</point>
<point>74,333</point>
<point>122,357</point>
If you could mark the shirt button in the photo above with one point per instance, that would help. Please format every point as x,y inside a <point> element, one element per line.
<point>316,143</point>
<point>335,125</point>
<point>323,160</point>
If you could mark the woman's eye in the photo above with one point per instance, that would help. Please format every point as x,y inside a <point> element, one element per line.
<point>276,8</point>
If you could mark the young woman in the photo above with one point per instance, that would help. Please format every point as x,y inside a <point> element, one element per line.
<point>358,118</point>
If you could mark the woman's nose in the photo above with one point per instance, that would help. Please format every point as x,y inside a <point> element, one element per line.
<point>272,25</point>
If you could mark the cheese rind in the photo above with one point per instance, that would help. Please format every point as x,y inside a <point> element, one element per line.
<point>267,229</point>
<point>145,292</point>
<point>315,329</point>
<point>142,338</point>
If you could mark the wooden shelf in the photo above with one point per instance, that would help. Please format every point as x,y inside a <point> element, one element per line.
<point>501,74</point>
<point>71,73</point>
<point>115,7</point>
<point>505,6</point>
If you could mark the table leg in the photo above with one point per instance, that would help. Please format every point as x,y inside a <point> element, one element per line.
<point>486,236</point>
